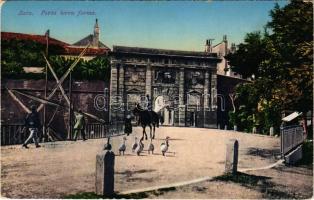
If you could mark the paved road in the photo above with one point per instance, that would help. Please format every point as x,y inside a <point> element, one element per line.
<point>62,168</point>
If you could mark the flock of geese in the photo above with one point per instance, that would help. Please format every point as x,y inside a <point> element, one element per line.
<point>138,147</point>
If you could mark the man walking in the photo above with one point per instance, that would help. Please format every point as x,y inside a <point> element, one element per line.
<point>79,125</point>
<point>32,123</point>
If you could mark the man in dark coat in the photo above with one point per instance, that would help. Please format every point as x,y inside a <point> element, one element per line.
<point>128,125</point>
<point>32,123</point>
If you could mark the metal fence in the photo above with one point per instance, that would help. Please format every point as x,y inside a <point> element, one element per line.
<point>290,137</point>
<point>12,134</point>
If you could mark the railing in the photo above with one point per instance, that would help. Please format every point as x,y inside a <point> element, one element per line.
<point>12,134</point>
<point>290,137</point>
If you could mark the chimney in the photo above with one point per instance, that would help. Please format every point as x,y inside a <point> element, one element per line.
<point>233,48</point>
<point>208,46</point>
<point>225,38</point>
<point>96,35</point>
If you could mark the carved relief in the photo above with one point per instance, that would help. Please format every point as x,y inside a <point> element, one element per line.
<point>167,76</point>
<point>195,79</point>
<point>134,75</point>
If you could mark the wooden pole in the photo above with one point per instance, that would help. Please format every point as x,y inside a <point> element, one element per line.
<point>70,107</point>
<point>45,138</point>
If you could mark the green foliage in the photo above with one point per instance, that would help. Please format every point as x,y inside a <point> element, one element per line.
<point>17,54</point>
<point>282,61</point>
<point>95,69</point>
<point>250,54</point>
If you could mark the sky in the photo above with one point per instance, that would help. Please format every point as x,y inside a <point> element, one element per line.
<point>180,25</point>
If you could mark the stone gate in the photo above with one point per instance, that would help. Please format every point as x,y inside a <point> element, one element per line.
<point>182,85</point>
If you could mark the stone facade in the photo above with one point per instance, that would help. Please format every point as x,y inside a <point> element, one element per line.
<point>182,85</point>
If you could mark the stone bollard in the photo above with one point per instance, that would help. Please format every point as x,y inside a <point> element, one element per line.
<point>232,152</point>
<point>254,130</point>
<point>218,127</point>
<point>105,174</point>
<point>235,128</point>
<point>271,131</point>
<point>226,127</point>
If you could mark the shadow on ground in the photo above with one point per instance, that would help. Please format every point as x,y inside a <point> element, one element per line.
<point>262,184</point>
<point>128,175</point>
<point>140,195</point>
<point>264,153</point>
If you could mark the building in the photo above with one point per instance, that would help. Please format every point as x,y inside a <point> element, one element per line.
<point>97,48</point>
<point>182,85</point>
<point>222,50</point>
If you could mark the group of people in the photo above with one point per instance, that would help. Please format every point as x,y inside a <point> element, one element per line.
<point>33,125</point>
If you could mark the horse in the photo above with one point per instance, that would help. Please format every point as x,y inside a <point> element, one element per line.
<point>147,118</point>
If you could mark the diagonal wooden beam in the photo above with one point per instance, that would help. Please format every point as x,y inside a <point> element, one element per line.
<point>57,80</point>
<point>18,101</point>
<point>64,77</point>
<point>45,101</point>
<point>41,100</point>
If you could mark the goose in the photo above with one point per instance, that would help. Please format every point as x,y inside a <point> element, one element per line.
<point>108,145</point>
<point>164,146</point>
<point>140,146</point>
<point>134,145</point>
<point>151,146</point>
<point>122,146</point>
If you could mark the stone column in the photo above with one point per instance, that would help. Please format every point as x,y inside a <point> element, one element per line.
<point>121,80</point>
<point>113,79</point>
<point>148,80</point>
<point>113,89</point>
<point>211,116</point>
<point>206,99</point>
<point>213,90</point>
<point>182,106</point>
<point>121,94</point>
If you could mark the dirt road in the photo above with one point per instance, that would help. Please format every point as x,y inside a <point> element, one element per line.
<point>62,168</point>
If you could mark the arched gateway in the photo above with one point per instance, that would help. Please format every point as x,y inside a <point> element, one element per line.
<point>182,85</point>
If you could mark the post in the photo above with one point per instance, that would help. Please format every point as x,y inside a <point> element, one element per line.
<point>70,107</point>
<point>104,180</point>
<point>226,127</point>
<point>45,136</point>
<point>271,131</point>
<point>235,128</point>
<point>231,165</point>
<point>254,130</point>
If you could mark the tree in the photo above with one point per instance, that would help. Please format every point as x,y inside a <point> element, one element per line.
<point>249,55</point>
<point>282,61</point>
<point>17,54</point>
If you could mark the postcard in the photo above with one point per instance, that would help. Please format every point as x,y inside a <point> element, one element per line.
<point>157,99</point>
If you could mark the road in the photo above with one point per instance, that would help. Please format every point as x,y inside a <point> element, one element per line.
<point>63,168</point>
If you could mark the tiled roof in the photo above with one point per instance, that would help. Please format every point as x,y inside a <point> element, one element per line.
<point>88,39</point>
<point>73,50</point>
<point>85,41</point>
<point>68,49</point>
<point>38,38</point>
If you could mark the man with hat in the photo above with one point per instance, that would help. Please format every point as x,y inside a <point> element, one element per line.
<point>79,125</point>
<point>32,123</point>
